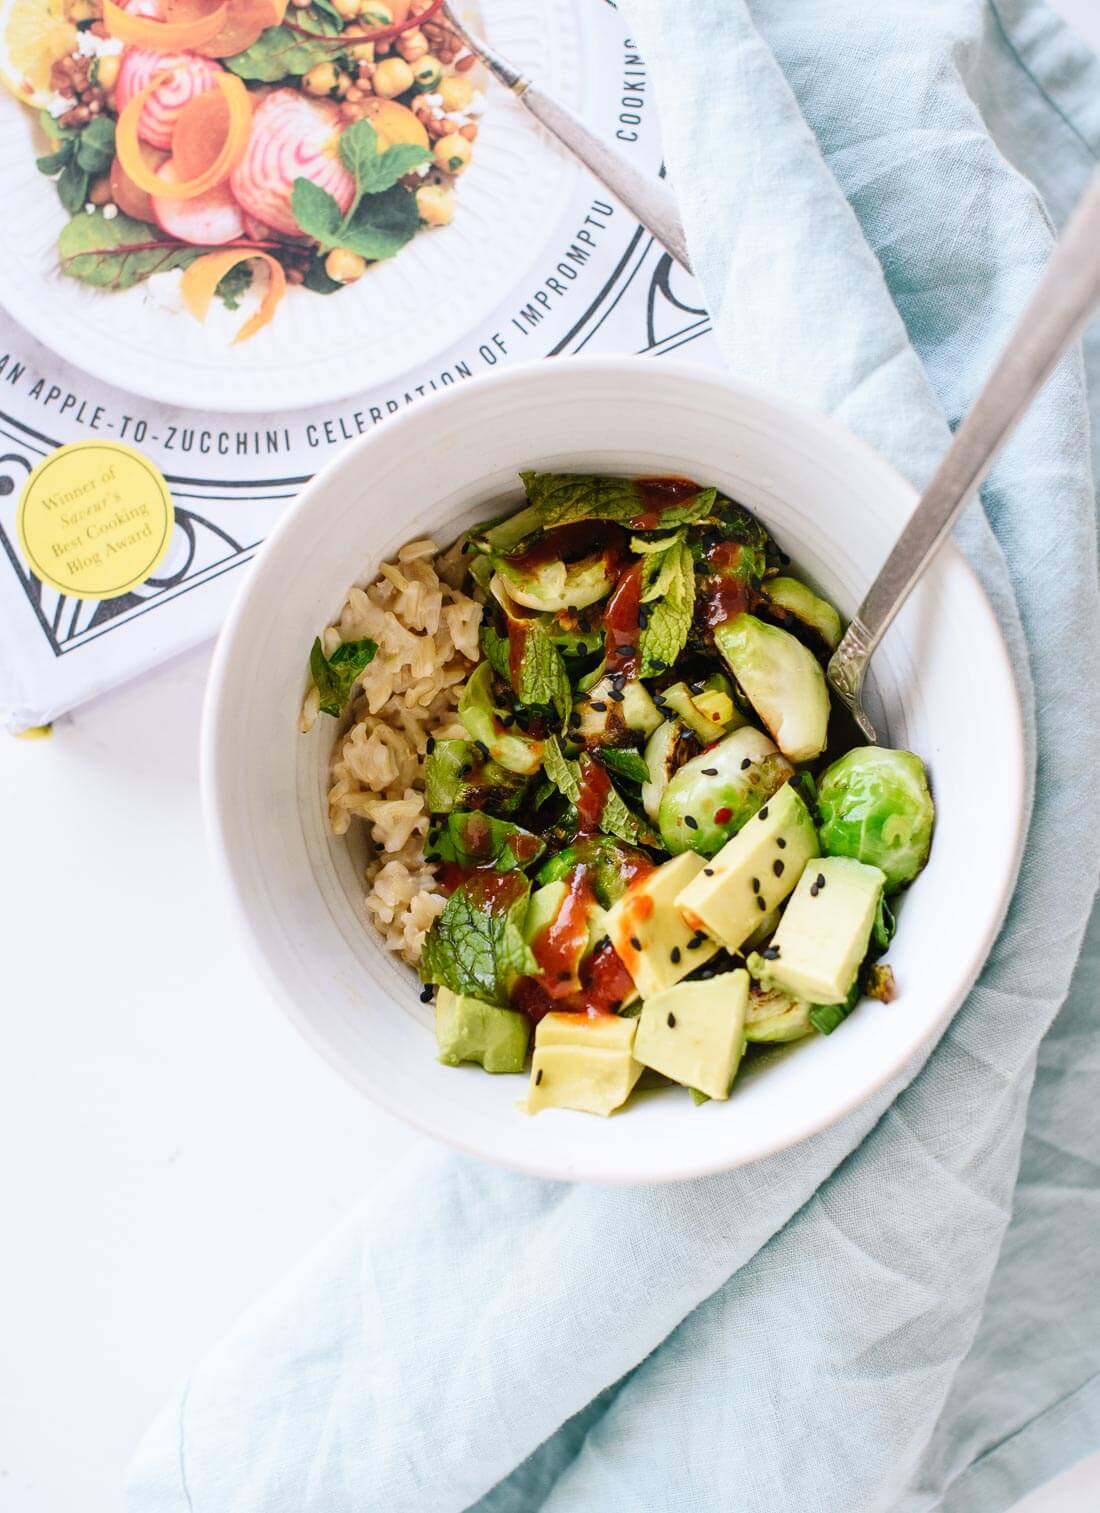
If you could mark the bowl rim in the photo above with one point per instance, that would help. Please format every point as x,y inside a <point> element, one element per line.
<point>214,727</point>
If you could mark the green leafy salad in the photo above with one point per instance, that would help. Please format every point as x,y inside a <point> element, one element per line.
<point>657,844</point>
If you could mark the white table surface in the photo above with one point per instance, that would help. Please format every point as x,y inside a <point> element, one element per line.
<point>169,1145</point>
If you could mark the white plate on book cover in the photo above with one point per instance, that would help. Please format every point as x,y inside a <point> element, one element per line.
<point>317,348</point>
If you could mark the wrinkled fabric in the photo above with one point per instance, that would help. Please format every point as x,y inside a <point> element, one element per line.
<point>902,1312</point>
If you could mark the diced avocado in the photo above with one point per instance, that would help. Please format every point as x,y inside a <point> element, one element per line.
<point>792,598</point>
<point>457,776</point>
<point>610,708</point>
<point>781,680</point>
<point>583,1062</point>
<point>650,935</point>
<point>512,749</point>
<point>764,930</point>
<point>775,1016</point>
<point>469,1030</point>
<point>570,944</point>
<point>753,873</point>
<point>661,757</point>
<point>707,714</point>
<point>554,585</point>
<point>825,930</point>
<point>695,1032</point>
<point>716,793</point>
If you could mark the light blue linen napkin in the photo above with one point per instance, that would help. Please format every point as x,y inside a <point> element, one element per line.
<point>902,1313</point>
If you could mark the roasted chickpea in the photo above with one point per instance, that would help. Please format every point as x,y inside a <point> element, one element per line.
<point>435,204</point>
<point>344,267</point>
<point>392,77</point>
<point>346,9</point>
<point>453,153</point>
<point>455,92</point>
<point>427,74</point>
<point>321,79</point>
<point>412,45</point>
<point>105,72</point>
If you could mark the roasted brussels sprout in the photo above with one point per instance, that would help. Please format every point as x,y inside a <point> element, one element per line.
<point>713,795</point>
<point>614,713</point>
<point>555,585</point>
<point>874,804</point>
<point>775,1016</point>
<point>664,752</point>
<point>706,708</point>
<point>488,730</point>
<point>794,602</point>
<point>457,776</point>
<point>781,680</point>
<point>611,865</point>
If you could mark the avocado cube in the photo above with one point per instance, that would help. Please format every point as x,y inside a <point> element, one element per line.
<point>468,1030</point>
<point>695,1032</point>
<point>648,932</point>
<point>825,930</point>
<point>753,873</point>
<point>583,1062</point>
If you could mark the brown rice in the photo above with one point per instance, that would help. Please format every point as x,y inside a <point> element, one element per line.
<point>427,634</point>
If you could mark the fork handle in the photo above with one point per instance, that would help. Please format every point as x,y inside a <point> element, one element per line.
<point>1066,296</point>
<point>647,197</point>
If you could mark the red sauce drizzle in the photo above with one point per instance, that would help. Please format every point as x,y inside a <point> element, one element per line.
<point>605,982</point>
<point>724,595</point>
<point>569,543</point>
<point>595,786</point>
<point>658,495</point>
<point>621,621</point>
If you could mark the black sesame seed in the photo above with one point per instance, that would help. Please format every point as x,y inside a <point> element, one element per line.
<point>583,623</point>
<point>813,890</point>
<point>781,842</point>
<point>465,770</point>
<point>643,616</point>
<point>564,976</point>
<point>672,1021</point>
<point>427,994</point>
<point>582,649</point>
<point>770,953</point>
<point>709,772</point>
<point>777,867</point>
<point>696,940</point>
<point>755,884</point>
<point>481,746</point>
<point>599,706</point>
<point>708,871</point>
<point>538,1076</point>
<point>674,954</point>
<point>616,694</point>
<point>746,763</point>
<point>691,822</point>
<point>507,720</point>
<point>625,651</point>
<point>636,943</point>
<point>821,879</point>
<point>760,904</point>
<point>431,745</point>
<point>698,685</point>
<point>659,663</point>
<point>763,813</point>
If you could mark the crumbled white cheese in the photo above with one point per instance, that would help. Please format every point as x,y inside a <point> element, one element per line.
<point>422,169</point>
<point>58,104</point>
<point>89,208</point>
<point>163,290</point>
<point>89,46</point>
<point>434,100</point>
<point>109,212</point>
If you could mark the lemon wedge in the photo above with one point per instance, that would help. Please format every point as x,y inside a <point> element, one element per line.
<point>33,34</point>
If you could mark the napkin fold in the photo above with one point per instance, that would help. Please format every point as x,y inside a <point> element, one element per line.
<point>900,1313</point>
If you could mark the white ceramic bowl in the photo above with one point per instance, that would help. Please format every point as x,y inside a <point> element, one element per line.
<point>942,678</point>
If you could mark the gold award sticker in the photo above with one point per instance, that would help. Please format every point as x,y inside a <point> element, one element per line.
<point>95,519</point>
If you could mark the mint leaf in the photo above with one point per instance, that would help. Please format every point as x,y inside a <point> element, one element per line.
<point>234,285</point>
<point>117,254</point>
<point>317,279</point>
<point>72,188</point>
<point>317,213</point>
<point>494,648</point>
<point>826,1016</point>
<point>560,498</point>
<point>475,839</point>
<point>335,675</point>
<point>54,162</point>
<point>564,774</point>
<point>375,170</point>
<point>671,575</point>
<point>95,148</point>
<point>541,679</point>
<point>381,225</point>
<point>616,818</point>
<point>476,945</point>
<point>626,762</point>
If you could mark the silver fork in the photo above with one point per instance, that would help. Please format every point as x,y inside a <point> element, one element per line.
<point>1067,295</point>
<point>646,197</point>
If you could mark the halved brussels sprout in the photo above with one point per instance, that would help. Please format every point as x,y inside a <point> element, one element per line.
<point>457,776</point>
<point>874,804</point>
<point>554,585</point>
<point>792,598</point>
<point>611,865</point>
<point>782,681</point>
<point>663,754</point>
<point>708,713</point>
<point>486,724</point>
<point>713,795</point>
<point>774,1016</point>
<point>611,709</point>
